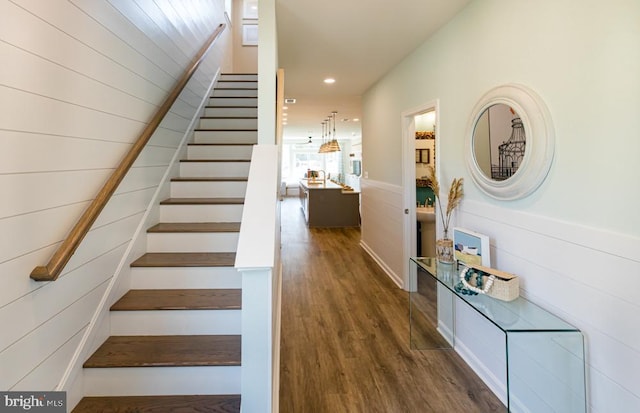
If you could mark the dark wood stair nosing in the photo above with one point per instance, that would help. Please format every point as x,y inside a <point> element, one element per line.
<point>212,179</point>
<point>229,107</point>
<point>228,117</point>
<point>194,227</point>
<point>235,88</point>
<point>203,201</point>
<point>167,351</point>
<point>185,260</point>
<point>224,403</point>
<point>179,299</point>
<point>214,160</point>
<point>221,144</point>
<point>225,130</point>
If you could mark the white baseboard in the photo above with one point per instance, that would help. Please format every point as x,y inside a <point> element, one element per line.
<point>494,384</point>
<point>445,332</point>
<point>394,277</point>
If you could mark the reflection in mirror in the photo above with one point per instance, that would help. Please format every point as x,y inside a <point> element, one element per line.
<point>499,142</point>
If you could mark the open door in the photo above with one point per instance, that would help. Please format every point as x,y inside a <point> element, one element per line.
<point>415,159</point>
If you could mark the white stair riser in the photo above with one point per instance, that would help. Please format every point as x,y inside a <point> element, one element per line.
<point>200,213</point>
<point>163,278</point>
<point>239,84</point>
<point>175,322</point>
<point>192,242</point>
<point>199,189</point>
<point>148,381</point>
<point>226,137</point>
<point>220,101</point>
<point>219,152</point>
<point>235,93</point>
<point>214,169</point>
<point>231,112</point>
<point>239,76</point>
<point>229,123</point>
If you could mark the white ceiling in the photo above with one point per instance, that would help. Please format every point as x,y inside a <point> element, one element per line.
<point>354,41</point>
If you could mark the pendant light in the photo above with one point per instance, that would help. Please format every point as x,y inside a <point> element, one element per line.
<point>334,146</point>
<point>323,147</point>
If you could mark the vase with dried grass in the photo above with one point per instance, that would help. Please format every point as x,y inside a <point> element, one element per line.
<point>444,246</point>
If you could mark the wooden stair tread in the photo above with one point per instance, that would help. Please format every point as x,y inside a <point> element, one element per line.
<point>222,144</point>
<point>228,117</point>
<point>230,107</point>
<point>208,179</point>
<point>183,299</point>
<point>202,201</point>
<point>186,259</point>
<point>195,227</point>
<point>160,404</point>
<point>225,130</point>
<point>215,160</point>
<point>167,351</point>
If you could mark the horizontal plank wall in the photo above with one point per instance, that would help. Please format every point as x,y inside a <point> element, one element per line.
<point>570,274</point>
<point>382,216</point>
<point>80,79</point>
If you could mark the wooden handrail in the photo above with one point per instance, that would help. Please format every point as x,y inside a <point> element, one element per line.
<point>61,257</point>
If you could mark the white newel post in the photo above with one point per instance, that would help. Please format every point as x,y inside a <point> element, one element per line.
<point>257,259</point>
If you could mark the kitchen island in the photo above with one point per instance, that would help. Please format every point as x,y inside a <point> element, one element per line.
<point>326,204</point>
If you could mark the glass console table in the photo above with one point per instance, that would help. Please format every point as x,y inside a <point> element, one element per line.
<point>544,355</point>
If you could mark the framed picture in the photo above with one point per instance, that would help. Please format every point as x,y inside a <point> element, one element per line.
<point>250,9</point>
<point>471,247</point>
<point>249,34</point>
<point>425,156</point>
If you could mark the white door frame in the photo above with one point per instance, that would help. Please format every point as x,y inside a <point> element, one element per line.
<point>409,180</point>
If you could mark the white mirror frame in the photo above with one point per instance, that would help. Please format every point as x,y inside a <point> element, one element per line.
<point>540,138</point>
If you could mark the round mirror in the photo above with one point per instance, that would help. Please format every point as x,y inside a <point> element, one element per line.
<point>509,142</point>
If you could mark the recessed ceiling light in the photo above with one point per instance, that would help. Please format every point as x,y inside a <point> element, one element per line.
<point>285,107</point>
<point>329,80</point>
<point>356,119</point>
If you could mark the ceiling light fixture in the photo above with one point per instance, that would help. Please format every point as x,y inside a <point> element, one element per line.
<point>323,148</point>
<point>329,81</point>
<point>332,145</point>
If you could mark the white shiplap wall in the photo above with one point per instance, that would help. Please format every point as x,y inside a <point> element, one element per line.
<point>382,218</point>
<point>79,80</point>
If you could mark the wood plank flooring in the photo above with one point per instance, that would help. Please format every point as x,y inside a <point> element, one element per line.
<point>345,335</point>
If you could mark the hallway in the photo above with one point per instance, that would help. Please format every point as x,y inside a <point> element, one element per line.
<point>345,335</point>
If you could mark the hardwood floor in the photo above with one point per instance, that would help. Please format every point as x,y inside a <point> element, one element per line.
<point>345,335</point>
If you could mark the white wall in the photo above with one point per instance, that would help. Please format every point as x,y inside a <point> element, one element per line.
<point>78,82</point>
<point>575,241</point>
<point>245,58</point>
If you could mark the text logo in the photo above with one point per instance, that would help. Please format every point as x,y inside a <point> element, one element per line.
<point>41,402</point>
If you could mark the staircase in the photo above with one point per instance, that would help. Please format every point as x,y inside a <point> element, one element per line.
<point>175,336</point>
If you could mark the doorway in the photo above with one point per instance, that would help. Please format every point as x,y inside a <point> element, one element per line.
<point>420,151</point>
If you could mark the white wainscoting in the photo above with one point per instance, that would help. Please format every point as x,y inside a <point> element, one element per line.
<point>382,226</point>
<point>586,276</point>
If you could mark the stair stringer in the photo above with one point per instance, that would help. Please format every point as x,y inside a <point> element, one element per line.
<point>99,327</point>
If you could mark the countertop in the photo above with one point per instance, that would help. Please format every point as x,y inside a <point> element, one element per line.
<point>324,185</point>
